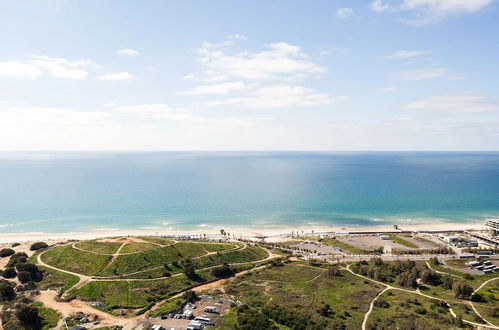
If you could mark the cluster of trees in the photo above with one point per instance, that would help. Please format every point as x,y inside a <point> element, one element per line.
<point>7,292</point>
<point>269,316</point>
<point>223,271</point>
<point>25,271</point>
<point>38,246</point>
<point>439,250</point>
<point>406,270</point>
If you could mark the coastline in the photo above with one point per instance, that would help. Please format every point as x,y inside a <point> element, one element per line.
<point>238,232</point>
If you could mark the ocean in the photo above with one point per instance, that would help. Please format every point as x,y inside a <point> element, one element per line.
<point>57,192</point>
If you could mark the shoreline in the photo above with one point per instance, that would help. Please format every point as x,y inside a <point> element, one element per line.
<point>238,232</point>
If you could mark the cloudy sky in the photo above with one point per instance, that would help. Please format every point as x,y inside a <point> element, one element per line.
<point>249,75</point>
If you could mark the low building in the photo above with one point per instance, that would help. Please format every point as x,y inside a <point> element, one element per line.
<point>492,226</point>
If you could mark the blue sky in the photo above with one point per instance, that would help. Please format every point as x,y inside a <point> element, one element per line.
<point>249,75</point>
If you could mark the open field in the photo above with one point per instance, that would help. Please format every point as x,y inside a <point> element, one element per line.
<point>402,310</point>
<point>67,258</point>
<point>136,277</point>
<point>307,294</point>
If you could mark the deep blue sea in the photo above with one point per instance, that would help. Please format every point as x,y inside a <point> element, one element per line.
<point>84,191</point>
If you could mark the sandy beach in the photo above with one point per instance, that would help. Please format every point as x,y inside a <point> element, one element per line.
<point>238,232</point>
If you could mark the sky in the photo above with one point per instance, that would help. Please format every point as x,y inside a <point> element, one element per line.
<point>328,75</point>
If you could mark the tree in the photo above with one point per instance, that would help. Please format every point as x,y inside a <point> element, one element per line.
<point>38,246</point>
<point>462,290</point>
<point>6,252</point>
<point>190,296</point>
<point>34,272</point>
<point>24,276</point>
<point>7,292</point>
<point>325,310</point>
<point>29,316</point>
<point>408,279</point>
<point>223,271</point>
<point>9,272</point>
<point>189,270</point>
<point>434,261</point>
<point>431,277</point>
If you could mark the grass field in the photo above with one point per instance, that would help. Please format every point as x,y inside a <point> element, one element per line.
<point>137,247</point>
<point>53,279</point>
<point>129,263</point>
<point>99,247</point>
<point>157,240</point>
<point>403,310</point>
<point>489,308</point>
<point>214,247</point>
<point>401,241</point>
<point>49,316</point>
<point>344,246</point>
<point>303,289</point>
<point>67,258</point>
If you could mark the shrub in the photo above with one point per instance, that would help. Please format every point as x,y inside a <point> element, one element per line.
<point>7,292</point>
<point>9,272</point>
<point>38,246</point>
<point>24,276</point>
<point>29,316</point>
<point>6,253</point>
<point>223,271</point>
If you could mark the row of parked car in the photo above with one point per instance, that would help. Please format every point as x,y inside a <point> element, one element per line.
<point>485,266</point>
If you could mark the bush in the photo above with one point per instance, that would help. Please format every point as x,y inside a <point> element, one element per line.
<point>29,316</point>
<point>15,244</point>
<point>6,253</point>
<point>190,296</point>
<point>9,272</point>
<point>19,257</point>
<point>24,276</point>
<point>7,292</point>
<point>35,274</point>
<point>222,272</point>
<point>38,246</point>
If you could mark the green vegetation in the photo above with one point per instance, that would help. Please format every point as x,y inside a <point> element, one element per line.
<point>403,310</point>
<point>113,294</point>
<point>67,258</point>
<point>53,279</point>
<point>214,247</point>
<point>99,246</point>
<point>137,247</point>
<point>129,263</point>
<point>157,240</point>
<point>300,296</point>
<point>401,241</point>
<point>347,247</point>
<point>248,254</point>
<point>49,317</point>
<point>487,301</point>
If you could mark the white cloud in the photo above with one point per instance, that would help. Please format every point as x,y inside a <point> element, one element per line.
<point>279,60</point>
<point>19,70</point>
<point>422,12</point>
<point>121,76</point>
<point>222,88</point>
<point>61,67</point>
<point>237,37</point>
<point>379,6</point>
<point>407,54</point>
<point>278,96</point>
<point>388,89</point>
<point>161,111</point>
<point>462,102</point>
<point>128,52</point>
<point>37,65</point>
<point>344,12</point>
<point>422,74</point>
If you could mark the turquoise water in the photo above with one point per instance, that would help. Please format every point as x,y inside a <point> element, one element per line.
<point>64,192</point>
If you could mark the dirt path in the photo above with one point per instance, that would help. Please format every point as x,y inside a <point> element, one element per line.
<point>473,306</point>
<point>421,294</point>
<point>48,298</point>
<point>440,272</point>
<point>82,278</point>
<point>371,306</point>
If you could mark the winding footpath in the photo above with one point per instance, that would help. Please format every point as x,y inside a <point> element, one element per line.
<point>389,287</point>
<point>49,297</point>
